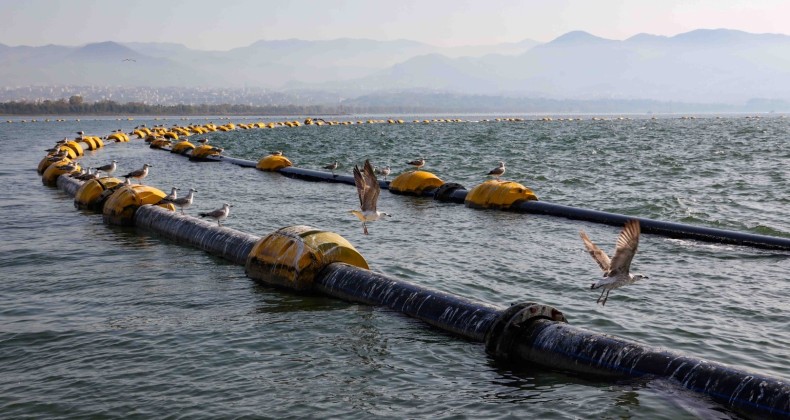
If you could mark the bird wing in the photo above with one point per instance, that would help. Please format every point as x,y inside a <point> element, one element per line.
<point>359,181</point>
<point>627,243</point>
<point>597,253</point>
<point>373,188</point>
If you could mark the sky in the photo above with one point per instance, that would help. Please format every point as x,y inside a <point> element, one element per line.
<point>227,24</point>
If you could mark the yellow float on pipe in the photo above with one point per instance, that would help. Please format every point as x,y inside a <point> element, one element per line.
<point>160,143</point>
<point>51,174</point>
<point>47,162</point>
<point>73,145</point>
<point>292,256</point>
<point>203,151</point>
<point>171,135</point>
<point>415,183</point>
<point>90,143</point>
<point>273,163</point>
<point>92,194</point>
<point>494,194</point>
<point>120,206</point>
<point>182,147</point>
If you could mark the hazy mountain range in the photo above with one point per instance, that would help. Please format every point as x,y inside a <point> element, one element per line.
<point>702,66</point>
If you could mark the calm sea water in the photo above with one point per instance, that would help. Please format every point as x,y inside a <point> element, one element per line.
<point>99,321</point>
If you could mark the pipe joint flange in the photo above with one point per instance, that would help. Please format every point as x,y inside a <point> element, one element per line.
<point>512,322</point>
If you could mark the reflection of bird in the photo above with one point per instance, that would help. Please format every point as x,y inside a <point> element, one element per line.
<point>384,171</point>
<point>218,214</point>
<point>498,171</point>
<point>332,166</point>
<point>616,271</point>
<point>108,168</point>
<point>417,163</point>
<point>139,174</point>
<point>368,190</point>
<point>185,202</point>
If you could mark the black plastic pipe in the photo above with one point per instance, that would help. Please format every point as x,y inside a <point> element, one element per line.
<point>561,346</point>
<point>655,227</point>
<point>460,316</point>
<point>523,334</point>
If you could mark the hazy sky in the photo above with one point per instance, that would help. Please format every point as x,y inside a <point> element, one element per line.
<point>226,24</point>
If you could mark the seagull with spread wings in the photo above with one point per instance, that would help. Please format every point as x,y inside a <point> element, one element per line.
<point>368,190</point>
<point>615,271</point>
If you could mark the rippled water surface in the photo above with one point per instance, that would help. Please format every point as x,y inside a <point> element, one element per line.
<point>104,321</point>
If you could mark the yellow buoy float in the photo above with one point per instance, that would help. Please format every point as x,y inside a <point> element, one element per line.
<point>494,194</point>
<point>292,256</point>
<point>415,183</point>
<point>120,207</point>
<point>273,163</point>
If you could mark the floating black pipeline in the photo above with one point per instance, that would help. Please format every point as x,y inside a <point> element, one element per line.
<point>561,346</point>
<point>451,313</point>
<point>457,194</point>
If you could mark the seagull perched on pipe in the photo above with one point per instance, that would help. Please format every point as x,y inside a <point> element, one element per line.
<point>332,166</point>
<point>368,190</point>
<point>108,168</point>
<point>615,271</point>
<point>498,171</point>
<point>172,196</point>
<point>384,171</point>
<point>417,163</point>
<point>185,202</point>
<point>140,173</point>
<point>218,214</point>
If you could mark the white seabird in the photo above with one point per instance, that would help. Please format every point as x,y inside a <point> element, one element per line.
<point>498,171</point>
<point>332,166</point>
<point>384,171</point>
<point>417,163</point>
<point>185,202</point>
<point>218,214</point>
<point>368,190</point>
<point>615,271</point>
<point>108,168</point>
<point>139,174</point>
<point>172,196</point>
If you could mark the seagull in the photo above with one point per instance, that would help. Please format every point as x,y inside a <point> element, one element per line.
<point>172,196</point>
<point>417,163</point>
<point>129,59</point>
<point>332,166</point>
<point>276,153</point>
<point>108,168</point>
<point>384,171</point>
<point>185,202</point>
<point>498,171</point>
<point>368,189</point>
<point>615,271</point>
<point>203,141</point>
<point>218,214</point>
<point>139,174</point>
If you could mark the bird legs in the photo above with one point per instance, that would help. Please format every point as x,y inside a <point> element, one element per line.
<point>602,297</point>
<point>365,228</point>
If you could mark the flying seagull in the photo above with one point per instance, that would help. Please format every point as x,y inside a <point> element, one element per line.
<point>218,214</point>
<point>368,190</point>
<point>417,163</point>
<point>129,59</point>
<point>498,171</point>
<point>615,271</point>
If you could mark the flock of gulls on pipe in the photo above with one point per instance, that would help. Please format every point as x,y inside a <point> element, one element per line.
<point>616,270</point>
